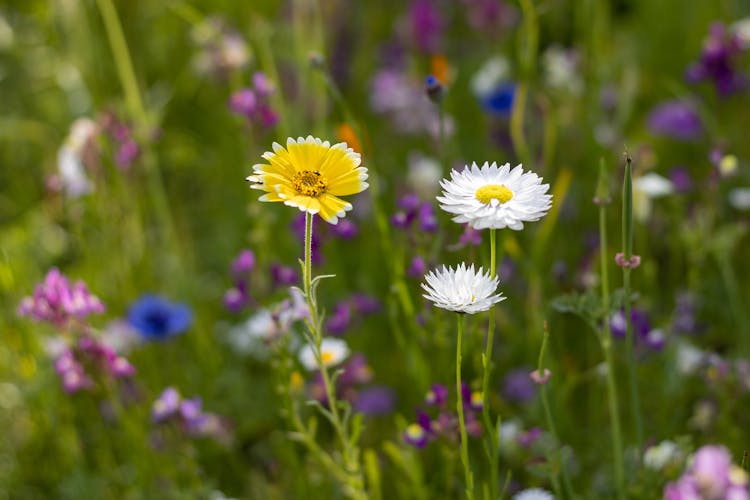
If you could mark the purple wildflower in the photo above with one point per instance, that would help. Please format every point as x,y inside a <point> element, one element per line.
<point>675,119</point>
<point>346,229</point>
<point>681,179</point>
<point>470,236</point>
<point>243,263</point>
<point>417,268</point>
<point>375,401</point>
<point>56,301</point>
<point>166,406</point>
<point>426,25</point>
<point>517,386</point>
<point>717,62</point>
<point>339,321</point>
<point>437,395</point>
<point>427,219</point>
<point>283,275</point>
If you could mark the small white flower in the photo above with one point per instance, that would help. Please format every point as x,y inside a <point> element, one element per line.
<point>489,76</point>
<point>741,29</point>
<point>689,358</point>
<point>461,289</point>
<point>508,433</point>
<point>659,456</point>
<point>332,352</point>
<point>653,185</point>
<point>495,197</point>
<point>424,175</point>
<point>534,494</point>
<point>739,198</point>
<point>561,70</point>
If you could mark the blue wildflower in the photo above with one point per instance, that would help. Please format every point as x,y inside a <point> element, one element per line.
<point>156,318</point>
<point>499,102</point>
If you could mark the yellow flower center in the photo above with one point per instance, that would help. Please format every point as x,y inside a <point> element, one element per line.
<point>499,192</point>
<point>326,357</point>
<point>414,431</point>
<point>309,183</point>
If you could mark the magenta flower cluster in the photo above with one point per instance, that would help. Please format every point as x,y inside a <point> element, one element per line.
<point>253,102</point>
<point>188,414</point>
<point>711,476</point>
<point>79,366</point>
<point>57,301</point>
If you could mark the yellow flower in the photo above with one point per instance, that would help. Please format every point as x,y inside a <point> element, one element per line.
<point>310,174</point>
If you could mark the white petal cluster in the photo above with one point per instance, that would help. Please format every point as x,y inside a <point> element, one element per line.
<point>529,201</point>
<point>534,494</point>
<point>332,351</point>
<point>461,289</point>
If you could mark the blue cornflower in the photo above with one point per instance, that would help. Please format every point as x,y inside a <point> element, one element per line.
<point>499,102</point>
<point>156,318</point>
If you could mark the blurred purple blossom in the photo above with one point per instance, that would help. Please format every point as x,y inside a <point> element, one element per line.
<point>676,119</point>
<point>718,61</point>
<point>56,301</point>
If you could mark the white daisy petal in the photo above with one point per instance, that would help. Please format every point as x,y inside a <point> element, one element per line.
<point>461,289</point>
<point>492,197</point>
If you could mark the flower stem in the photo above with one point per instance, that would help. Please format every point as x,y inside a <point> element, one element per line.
<point>627,238</point>
<point>460,407</point>
<point>138,113</point>
<point>355,482</point>
<point>605,337</point>
<point>491,443</point>
<point>551,424</point>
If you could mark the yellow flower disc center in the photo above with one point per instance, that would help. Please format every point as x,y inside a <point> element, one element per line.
<point>326,357</point>
<point>414,431</point>
<point>498,192</point>
<point>309,183</point>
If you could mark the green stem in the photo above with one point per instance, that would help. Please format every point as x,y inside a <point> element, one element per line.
<point>137,111</point>
<point>551,424</point>
<point>355,482</point>
<point>460,407</point>
<point>491,443</point>
<point>605,338</point>
<point>627,239</point>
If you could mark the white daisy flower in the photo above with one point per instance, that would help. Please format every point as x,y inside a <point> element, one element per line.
<point>332,352</point>
<point>534,494</point>
<point>461,289</point>
<point>495,197</point>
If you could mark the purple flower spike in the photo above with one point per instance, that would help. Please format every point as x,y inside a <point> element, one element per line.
<point>675,119</point>
<point>340,320</point>
<point>262,85</point>
<point>417,268</point>
<point>427,220</point>
<point>243,263</point>
<point>243,102</point>
<point>426,25</point>
<point>56,301</point>
<point>235,299</point>
<point>166,406</point>
<point>437,395</point>
<point>409,203</point>
<point>718,62</point>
